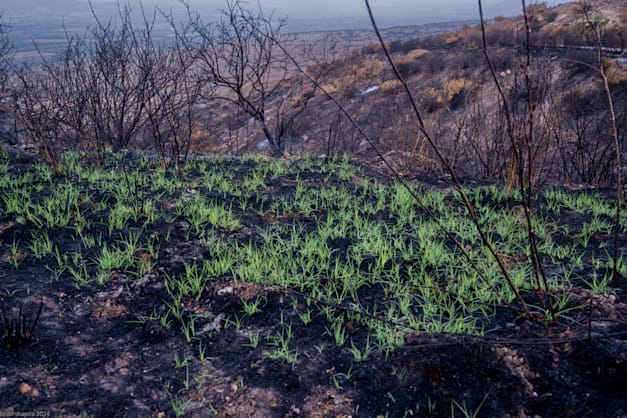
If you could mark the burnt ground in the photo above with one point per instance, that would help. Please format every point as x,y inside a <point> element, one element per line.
<point>89,354</point>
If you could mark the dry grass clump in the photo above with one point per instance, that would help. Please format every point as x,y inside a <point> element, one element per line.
<point>412,55</point>
<point>330,88</point>
<point>369,69</point>
<point>616,74</point>
<point>451,38</point>
<point>390,85</point>
<point>457,86</point>
<point>432,98</point>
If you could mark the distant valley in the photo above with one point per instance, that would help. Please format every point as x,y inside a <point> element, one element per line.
<point>43,26</point>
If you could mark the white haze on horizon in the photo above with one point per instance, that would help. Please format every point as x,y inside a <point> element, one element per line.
<point>338,14</point>
<point>46,21</point>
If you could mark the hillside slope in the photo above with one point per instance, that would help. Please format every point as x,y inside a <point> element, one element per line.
<point>449,75</point>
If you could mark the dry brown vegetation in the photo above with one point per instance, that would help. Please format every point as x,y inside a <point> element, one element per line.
<point>450,76</point>
<point>447,71</point>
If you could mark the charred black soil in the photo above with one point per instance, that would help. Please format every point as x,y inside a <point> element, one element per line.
<point>126,341</point>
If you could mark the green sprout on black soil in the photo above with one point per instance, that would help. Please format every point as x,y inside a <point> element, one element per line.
<point>463,409</point>
<point>342,378</point>
<point>280,341</point>
<point>42,245</point>
<point>358,355</point>
<point>179,407</point>
<point>16,255</point>
<point>355,239</point>
<point>253,340</point>
<point>252,307</point>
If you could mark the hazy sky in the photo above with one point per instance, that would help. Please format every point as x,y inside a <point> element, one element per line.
<point>312,13</point>
<point>46,22</point>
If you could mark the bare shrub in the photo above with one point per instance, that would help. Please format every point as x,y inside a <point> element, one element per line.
<point>110,87</point>
<point>172,110</point>
<point>238,60</point>
<point>587,155</point>
<point>118,74</point>
<point>484,140</point>
<point>94,94</point>
<point>39,107</point>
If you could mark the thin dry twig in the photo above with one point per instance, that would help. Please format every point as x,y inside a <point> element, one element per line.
<point>472,212</point>
<point>610,103</point>
<point>397,177</point>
